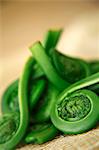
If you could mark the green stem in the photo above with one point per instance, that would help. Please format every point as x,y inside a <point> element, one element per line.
<point>84,83</point>
<point>36,91</point>
<point>23,105</point>
<point>36,71</point>
<point>45,63</point>
<point>51,39</point>
<point>37,84</point>
<point>44,106</point>
<point>41,133</point>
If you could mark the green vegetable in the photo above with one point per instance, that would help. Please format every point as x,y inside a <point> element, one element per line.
<point>46,65</point>
<point>70,69</point>
<point>77,109</point>
<point>9,124</point>
<point>10,98</point>
<point>36,72</point>
<point>10,102</point>
<point>10,143</point>
<point>94,66</point>
<point>31,102</point>
<point>36,88</point>
<point>41,133</point>
<point>51,39</point>
<point>44,106</point>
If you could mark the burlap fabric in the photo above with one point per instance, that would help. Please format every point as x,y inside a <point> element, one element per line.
<point>85,141</point>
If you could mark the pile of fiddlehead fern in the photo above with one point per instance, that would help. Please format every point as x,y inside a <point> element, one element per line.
<point>54,93</point>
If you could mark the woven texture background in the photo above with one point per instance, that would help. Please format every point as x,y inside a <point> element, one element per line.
<point>86,141</point>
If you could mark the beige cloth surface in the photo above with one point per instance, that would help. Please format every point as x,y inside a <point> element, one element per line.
<point>86,141</point>
<point>22,24</point>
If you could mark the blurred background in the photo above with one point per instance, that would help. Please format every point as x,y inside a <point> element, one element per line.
<point>22,22</point>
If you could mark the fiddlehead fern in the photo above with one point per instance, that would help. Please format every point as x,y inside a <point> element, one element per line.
<point>23,106</point>
<point>10,98</point>
<point>41,133</point>
<point>44,61</point>
<point>36,85</point>
<point>70,69</point>
<point>76,109</point>
<point>8,127</point>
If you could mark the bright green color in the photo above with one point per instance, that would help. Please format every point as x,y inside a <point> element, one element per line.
<point>51,39</point>
<point>12,103</point>
<point>36,87</point>
<point>35,91</point>
<point>9,124</point>
<point>72,122</point>
<point>74,107</point>
<point>28,102</point>
<point>44,106</point>
<point>23,106</point>
<point>44,61</point>
<point>69,68</point>
<point>41,133</point>
<point>10,98</point>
